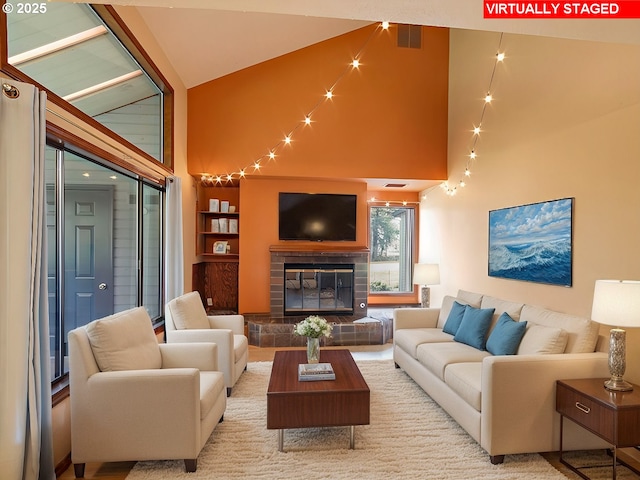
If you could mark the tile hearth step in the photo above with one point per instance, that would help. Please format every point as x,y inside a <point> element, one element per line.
<point>268,332</point>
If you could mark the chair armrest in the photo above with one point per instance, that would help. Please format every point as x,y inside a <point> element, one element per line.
<point>415,318</point>
<point>518,395</point>
<point>234,323</point>
<point>201,355</point>
<point>222,338</point>
<point>137,404</point>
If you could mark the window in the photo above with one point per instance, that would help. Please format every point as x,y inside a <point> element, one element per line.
<point>104,244</point>
<point>73,52</point>
<point>391,243</point>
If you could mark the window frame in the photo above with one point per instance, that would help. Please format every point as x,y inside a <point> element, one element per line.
<point>59,138</point>
<point>399,295</point>
<point>113,21</point>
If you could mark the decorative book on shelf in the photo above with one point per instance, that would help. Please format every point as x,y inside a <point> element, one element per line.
<point>309,372</point>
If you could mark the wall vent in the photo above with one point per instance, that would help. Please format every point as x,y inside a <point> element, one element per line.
<point>409,36</point>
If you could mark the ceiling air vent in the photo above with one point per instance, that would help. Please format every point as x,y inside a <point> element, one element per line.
<point>410,36</point>
<point>395,185</point>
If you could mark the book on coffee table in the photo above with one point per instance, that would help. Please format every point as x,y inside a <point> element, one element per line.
<point>308,372</point>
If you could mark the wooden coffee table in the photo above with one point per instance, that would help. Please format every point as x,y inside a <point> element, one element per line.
<point>344,401</point>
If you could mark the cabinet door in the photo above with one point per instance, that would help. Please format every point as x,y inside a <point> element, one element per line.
<point>219,282</point>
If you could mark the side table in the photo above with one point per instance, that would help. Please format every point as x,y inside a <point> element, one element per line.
<point>612,416</point>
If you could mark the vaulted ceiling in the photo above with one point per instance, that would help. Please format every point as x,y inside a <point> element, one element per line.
<point>235,34</point>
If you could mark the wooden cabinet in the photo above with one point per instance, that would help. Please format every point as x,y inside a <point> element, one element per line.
<point>217,244</point>
<point>612,416</point>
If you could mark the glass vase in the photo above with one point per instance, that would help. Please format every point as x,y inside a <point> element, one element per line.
<point>313,350</point>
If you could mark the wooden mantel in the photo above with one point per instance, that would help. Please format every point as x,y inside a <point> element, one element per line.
<point>318,247</point>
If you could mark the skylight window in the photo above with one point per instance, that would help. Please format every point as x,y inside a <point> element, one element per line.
<point>73,53</point>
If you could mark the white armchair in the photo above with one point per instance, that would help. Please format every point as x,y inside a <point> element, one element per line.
<point>135,399</point>
<point>186,320</point>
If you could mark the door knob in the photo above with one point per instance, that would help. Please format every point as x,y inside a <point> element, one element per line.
<point>102,286</point>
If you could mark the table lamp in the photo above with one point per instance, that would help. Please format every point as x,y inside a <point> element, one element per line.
<point>426,274</point>
<point>617,303</point>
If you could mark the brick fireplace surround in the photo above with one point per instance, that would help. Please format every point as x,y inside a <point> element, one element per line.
<point>276,330</point>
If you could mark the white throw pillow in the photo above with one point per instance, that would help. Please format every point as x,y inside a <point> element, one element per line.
<point>539,339</point>
<point>125,341</point>
<point>188,313</point>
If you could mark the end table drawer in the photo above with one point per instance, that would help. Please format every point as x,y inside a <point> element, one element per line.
<point>586,412</point>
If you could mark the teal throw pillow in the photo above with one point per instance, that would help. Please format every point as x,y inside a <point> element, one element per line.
<point>506,336</point>
<point>474,327</point>
<point>454,319</point>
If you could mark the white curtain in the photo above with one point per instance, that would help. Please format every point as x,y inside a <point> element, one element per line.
<point>26,449</point>
<point>174,256</point>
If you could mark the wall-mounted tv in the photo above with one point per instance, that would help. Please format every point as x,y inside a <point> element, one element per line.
<point>317,216</point>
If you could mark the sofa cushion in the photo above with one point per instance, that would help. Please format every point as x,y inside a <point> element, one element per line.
<point>445,309</point>
<point>500,306</point>
<point>454,319</point>
<point>188,312</point>
<point>539,339</point>
<point>582,332</point>
<point>466,380</point>
<point>437,356</point>
<point>469,298</point>
<point>408,339</point>
<point>124,341</point>
<point>474,326</point>
<point>505,337</point>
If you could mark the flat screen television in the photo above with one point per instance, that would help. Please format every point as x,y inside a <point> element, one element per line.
<point>317,216</point>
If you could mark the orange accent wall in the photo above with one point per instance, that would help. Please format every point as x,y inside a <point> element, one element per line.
<point>259,231</point>
<point>388,119</point>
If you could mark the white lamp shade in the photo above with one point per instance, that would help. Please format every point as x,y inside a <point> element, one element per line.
<point>426,274</point>
<point>616,303</point>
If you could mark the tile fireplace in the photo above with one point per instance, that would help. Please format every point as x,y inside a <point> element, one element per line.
<point>333,280</point>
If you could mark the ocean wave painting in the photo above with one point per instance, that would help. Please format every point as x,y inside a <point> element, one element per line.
<point>532,242</point>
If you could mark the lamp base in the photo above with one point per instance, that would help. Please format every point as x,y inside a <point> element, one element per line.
<point>425,297</point>
<point>617,384</point>
<point>617,362</point>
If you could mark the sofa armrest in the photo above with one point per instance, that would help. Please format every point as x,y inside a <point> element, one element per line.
<point>519,394</point>
<point>415,318</point>
<point>234,323</point>
<point>202,355</point>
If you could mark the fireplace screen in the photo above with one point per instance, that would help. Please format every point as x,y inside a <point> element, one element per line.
<point>318,289</point>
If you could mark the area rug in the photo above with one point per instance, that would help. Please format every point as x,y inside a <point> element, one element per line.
<point>410,436</point>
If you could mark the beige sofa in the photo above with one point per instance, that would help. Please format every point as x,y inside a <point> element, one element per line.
<point>135,399</point>
<point>505,402</point>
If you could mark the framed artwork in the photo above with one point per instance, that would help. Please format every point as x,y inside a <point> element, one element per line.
<point>220,247</point>
<point>533,243</point>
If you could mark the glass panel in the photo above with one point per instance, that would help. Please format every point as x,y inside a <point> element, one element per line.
<point>391,243</point>
<point>52,265</point>
<point>71,52</point>
<point>97,268</point>
<point>100,242</point>
<point>152,250</point>
<point>344,289</point>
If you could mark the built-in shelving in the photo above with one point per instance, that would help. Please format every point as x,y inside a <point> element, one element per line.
<point>216,275</point>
